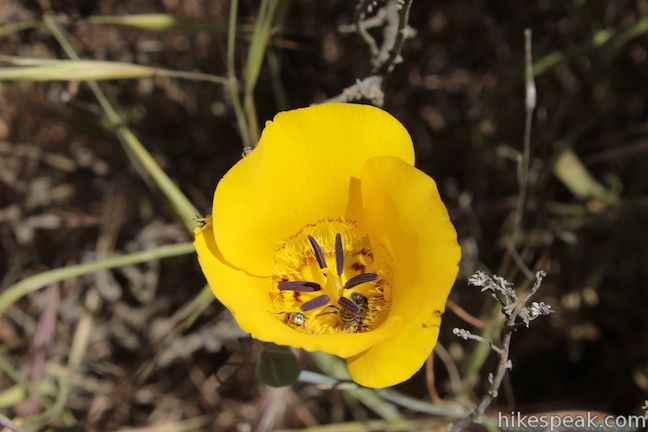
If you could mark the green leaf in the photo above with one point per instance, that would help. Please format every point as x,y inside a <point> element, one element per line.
<point>277,366</point>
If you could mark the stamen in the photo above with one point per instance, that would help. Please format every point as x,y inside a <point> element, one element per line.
<point>360,279</point>
<point>314,295</point>
<point>299,286</point>
<point>315,303</point>
<point>324,311</point>
<point>349,305</point>
<point>339,254</point>
<point>318,252</point>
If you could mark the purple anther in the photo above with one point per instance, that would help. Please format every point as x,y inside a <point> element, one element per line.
<point>299,286</point>
<point>339,254</point>
<point>318,252</point>
<point>315,303</point>
<point>360,279</point>
<point>349,305</point>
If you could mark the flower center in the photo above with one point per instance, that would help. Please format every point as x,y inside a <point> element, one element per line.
<point>330,279</point>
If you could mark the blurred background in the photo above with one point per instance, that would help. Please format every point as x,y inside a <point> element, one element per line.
<point>69,194</point>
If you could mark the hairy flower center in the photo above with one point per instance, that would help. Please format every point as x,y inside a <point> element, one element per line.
<point>330,279</point>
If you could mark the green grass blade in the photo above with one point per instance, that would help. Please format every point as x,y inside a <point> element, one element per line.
<point>31,69</point>
<point>63,390</point>
<point>8,29</point>
<point>233,81</point>
<point>136,150</point>
<point>256,55</point>
<point>336,368</point>
<point>40,280</point>
<point>634,31</point>
<point>180,203</point>
<point>260,38</point>
<point>190,312</point>
<point>75,71</point>
<point>167,22</point>
<point>599,39</point>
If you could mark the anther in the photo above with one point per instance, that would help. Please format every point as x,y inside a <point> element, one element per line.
<point>315,303</point>
<point>299,286</point>
<point>319,255</point>
<point>360,279</point>
<point>349,305</point>
<point>339,254</point>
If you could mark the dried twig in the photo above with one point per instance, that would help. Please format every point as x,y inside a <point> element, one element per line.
<point>396,31</point>
<point>529,107</point>
<point>369,88</point>
<point>363,7</point>
<point>517,313</point>
<point>466,335</point>
<point>394,17</point>
<point>523,160</point>
<point>367,23</point>
<point>466,316</point>
<point>429,380</point>
<point>451,367</point>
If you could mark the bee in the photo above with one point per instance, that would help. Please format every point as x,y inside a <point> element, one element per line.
<point>352,310</point>
<point>295,318</point>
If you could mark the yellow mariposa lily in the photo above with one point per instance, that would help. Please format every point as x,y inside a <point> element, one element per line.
<point>325,237</point>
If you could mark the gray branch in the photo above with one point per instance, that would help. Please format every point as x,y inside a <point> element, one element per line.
<point>394,17</point>
<point>515,310</point>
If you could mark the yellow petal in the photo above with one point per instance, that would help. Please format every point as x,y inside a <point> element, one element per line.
<point>398,358</point>
<point>300,172</point>
<point>247,297</point>
<point>404,212</point>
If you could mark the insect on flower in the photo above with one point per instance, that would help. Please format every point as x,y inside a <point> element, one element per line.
<point>295,318</point>
<point>352,311</point>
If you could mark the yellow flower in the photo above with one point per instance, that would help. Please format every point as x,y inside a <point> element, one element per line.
<point>326,237</point>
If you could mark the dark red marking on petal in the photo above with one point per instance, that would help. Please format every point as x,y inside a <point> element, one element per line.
<point>363,252</point>
<point>319,255</point>
<point>360,279</point>
<point>349,305</point>
<point>358,267</point>
<point>299,286</point>
<point>315,303</point>
<point>339,254</point>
